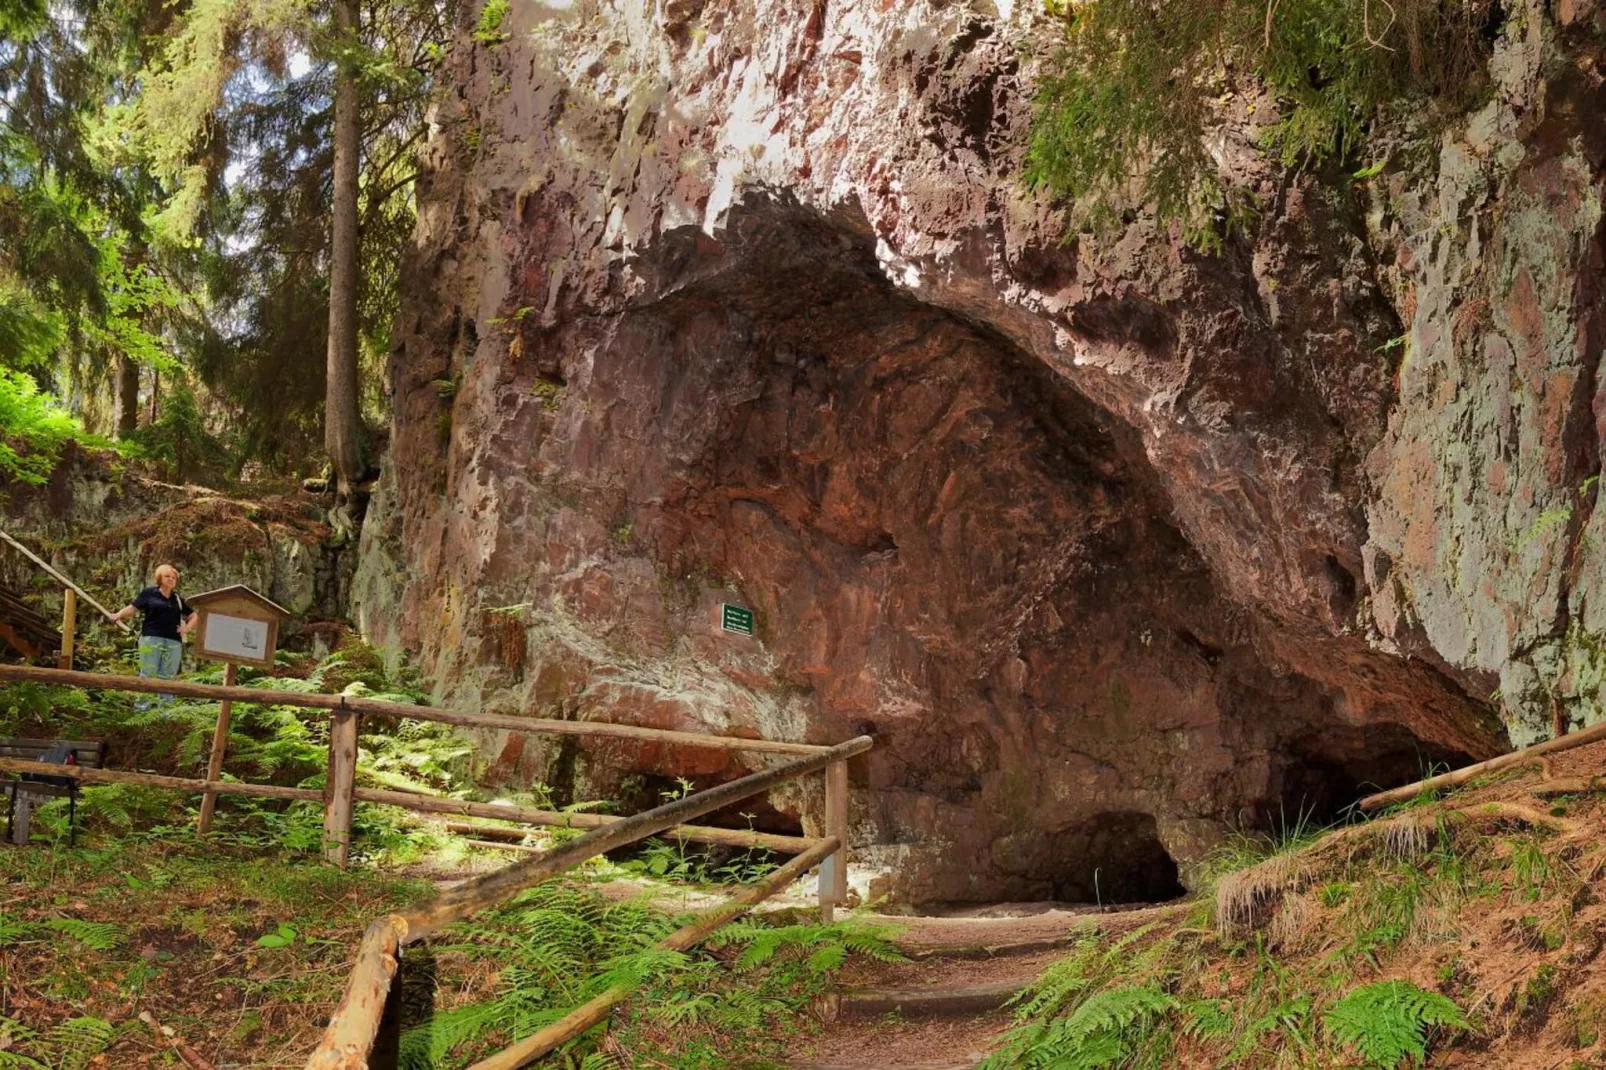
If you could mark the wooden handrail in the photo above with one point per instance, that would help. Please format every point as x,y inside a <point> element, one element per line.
<point>422,803</point>
<point>351,1031</point>
<point>87,775</point>
<point>477,893</point>
<point>267,696</point>
<point>59,578</point>
<point>703,925</point>
<point>1406,792</point>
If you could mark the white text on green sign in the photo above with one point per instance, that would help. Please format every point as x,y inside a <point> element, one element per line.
<point>736,619</point>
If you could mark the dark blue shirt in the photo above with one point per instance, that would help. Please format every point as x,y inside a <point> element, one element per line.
<point>162,614</point>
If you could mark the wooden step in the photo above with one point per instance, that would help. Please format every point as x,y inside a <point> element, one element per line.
<point>23,628</point>
<point>928,1002</point>
<point>882,1065</point>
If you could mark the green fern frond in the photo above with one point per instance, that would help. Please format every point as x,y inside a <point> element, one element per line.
<point>76,1041</point>
<point>1116,1009</point>
<point>1390,1021</point>
<point>13,1033</point>
<point>95,935</point>
<point>10,1060</point>
<point>1104,1031</point>
<point>14,932</point>
<point>426,1046</point>
<point>1288,1018</point>
<point>1207,1019</point>
<point>827,958</point>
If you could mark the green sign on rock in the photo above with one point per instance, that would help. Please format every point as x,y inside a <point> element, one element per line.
<point>736,619</point>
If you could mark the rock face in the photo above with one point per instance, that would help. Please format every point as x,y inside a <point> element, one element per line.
<point>1113,546</point>
<point>108,528</point>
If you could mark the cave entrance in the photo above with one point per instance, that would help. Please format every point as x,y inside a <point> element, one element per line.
<point>1115,859</point>
<point>1326,773</point>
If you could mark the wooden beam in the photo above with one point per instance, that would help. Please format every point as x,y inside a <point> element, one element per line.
<point>488,889</point>
<point>220,746</point>
<point>59,578</point>
<point>500,845</point>
<point>213,692</point>
<point>420,803</point>
<point>1580,738</point>
<point>69,626</point>
<point>689,833</point>
<point>339,787</point>
<point>740,838</point>
<point>703,925</point>
<point>348,1039</point>
<point>87,775</point>
<point>353,1028</point>
<point>834,871</point>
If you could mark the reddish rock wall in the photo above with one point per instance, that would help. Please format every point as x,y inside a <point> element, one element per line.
<point>744,302</point>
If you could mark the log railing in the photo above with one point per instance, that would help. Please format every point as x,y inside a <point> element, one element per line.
<point>351,1033</point>
<point>70,594</point>
<point>356,1023</point>
<point>1457,777</point>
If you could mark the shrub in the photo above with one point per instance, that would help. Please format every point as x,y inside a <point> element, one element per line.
<point>35,429</point>
<point>1136,89</point>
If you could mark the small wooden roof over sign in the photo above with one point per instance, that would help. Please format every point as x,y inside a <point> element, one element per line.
<point>237,625</point>
<point>234,595</point>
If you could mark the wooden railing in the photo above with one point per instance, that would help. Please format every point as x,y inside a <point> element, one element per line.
<point>70,595</point>
<point>369,1002</point>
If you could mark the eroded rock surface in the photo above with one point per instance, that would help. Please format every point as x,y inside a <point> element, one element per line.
<point>108,527</point>
<point>1112,546</point>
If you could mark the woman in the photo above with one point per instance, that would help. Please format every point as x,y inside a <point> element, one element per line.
<point>161,638</point>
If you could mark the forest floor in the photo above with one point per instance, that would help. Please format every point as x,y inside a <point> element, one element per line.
<point>1455,931</point>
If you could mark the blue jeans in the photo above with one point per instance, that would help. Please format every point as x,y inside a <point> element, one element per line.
<point>159,658</point>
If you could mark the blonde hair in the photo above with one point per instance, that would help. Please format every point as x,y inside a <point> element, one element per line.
<point>165,568</point>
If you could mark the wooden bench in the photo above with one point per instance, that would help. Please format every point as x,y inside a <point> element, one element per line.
<point>29,790</point>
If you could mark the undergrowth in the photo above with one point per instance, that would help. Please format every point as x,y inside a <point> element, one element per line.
<point>268,743</point>
<point>1304,952</point>
<point>250,921</point>
<point>33,429</point>
<point>557,945</point>
<point>1133,108</point>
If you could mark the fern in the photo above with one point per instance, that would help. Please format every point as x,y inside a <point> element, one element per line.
<point>12,1034</point>
<point>1388,1022</point>
<point>1105,1030</point>
<point>95,935</point>
<point>14,932</point>
<point>1207,1019</point>
<point>1090,966</point>
<point>75,1042</point>
<point>829,944</point>
<point>1288,1017</point>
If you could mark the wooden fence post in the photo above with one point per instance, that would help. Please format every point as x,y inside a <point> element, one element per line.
<point>69,626</point>
<point>220,744</point>
<point>833,887</point>
<point>339,787</point>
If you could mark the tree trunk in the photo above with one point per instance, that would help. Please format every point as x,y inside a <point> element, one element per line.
<point>127,397</point>
<point>341,421</point>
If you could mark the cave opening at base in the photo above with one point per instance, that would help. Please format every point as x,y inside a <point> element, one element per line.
<point>1326,774</point>
<point>1115,859</point>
